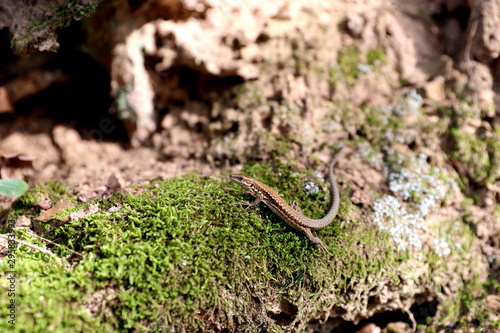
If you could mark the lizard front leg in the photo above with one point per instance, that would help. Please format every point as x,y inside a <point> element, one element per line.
<point>249,205</point>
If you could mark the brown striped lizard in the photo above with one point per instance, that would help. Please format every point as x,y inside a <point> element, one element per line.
<point>291,214</point>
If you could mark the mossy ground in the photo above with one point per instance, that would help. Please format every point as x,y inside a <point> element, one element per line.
<point>186,255</point>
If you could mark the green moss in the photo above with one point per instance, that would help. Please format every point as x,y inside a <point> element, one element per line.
<point>348,66</point>
<point>49,226</point>
<point>376,57</point>
<point>456,114</point>
<point>480,155</point>
<point>51,190</point>
<point>123,108</point>
<point>377,125</point>
<point>185,253</point>
<point>319,71</point>
<point>45,295</point>
<point>41,26</point>
<point>466,291</point>
<point>470,303</point>
<point>472,144</point>
<point>249,96</point>
<point>346,69</point>
<point>348,60</point>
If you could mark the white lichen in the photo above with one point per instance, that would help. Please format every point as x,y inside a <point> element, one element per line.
<point>408,105</point>
<point>311,188</point>
<point>364,68</point>
<point>421,188</point>
<point>367,153</point>
<point>391,216</point>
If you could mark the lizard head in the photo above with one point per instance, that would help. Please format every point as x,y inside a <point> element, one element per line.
<point>253,186</point>
<point>247,182</point>
<point>243,180</point>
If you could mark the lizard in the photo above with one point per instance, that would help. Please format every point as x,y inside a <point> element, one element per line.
<point>291,214</point>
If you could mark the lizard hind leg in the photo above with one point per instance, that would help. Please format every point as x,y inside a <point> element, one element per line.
<point>314,239</point>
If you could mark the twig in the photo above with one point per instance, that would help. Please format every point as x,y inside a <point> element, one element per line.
<point>33,246</point>
<point>54,243</point>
